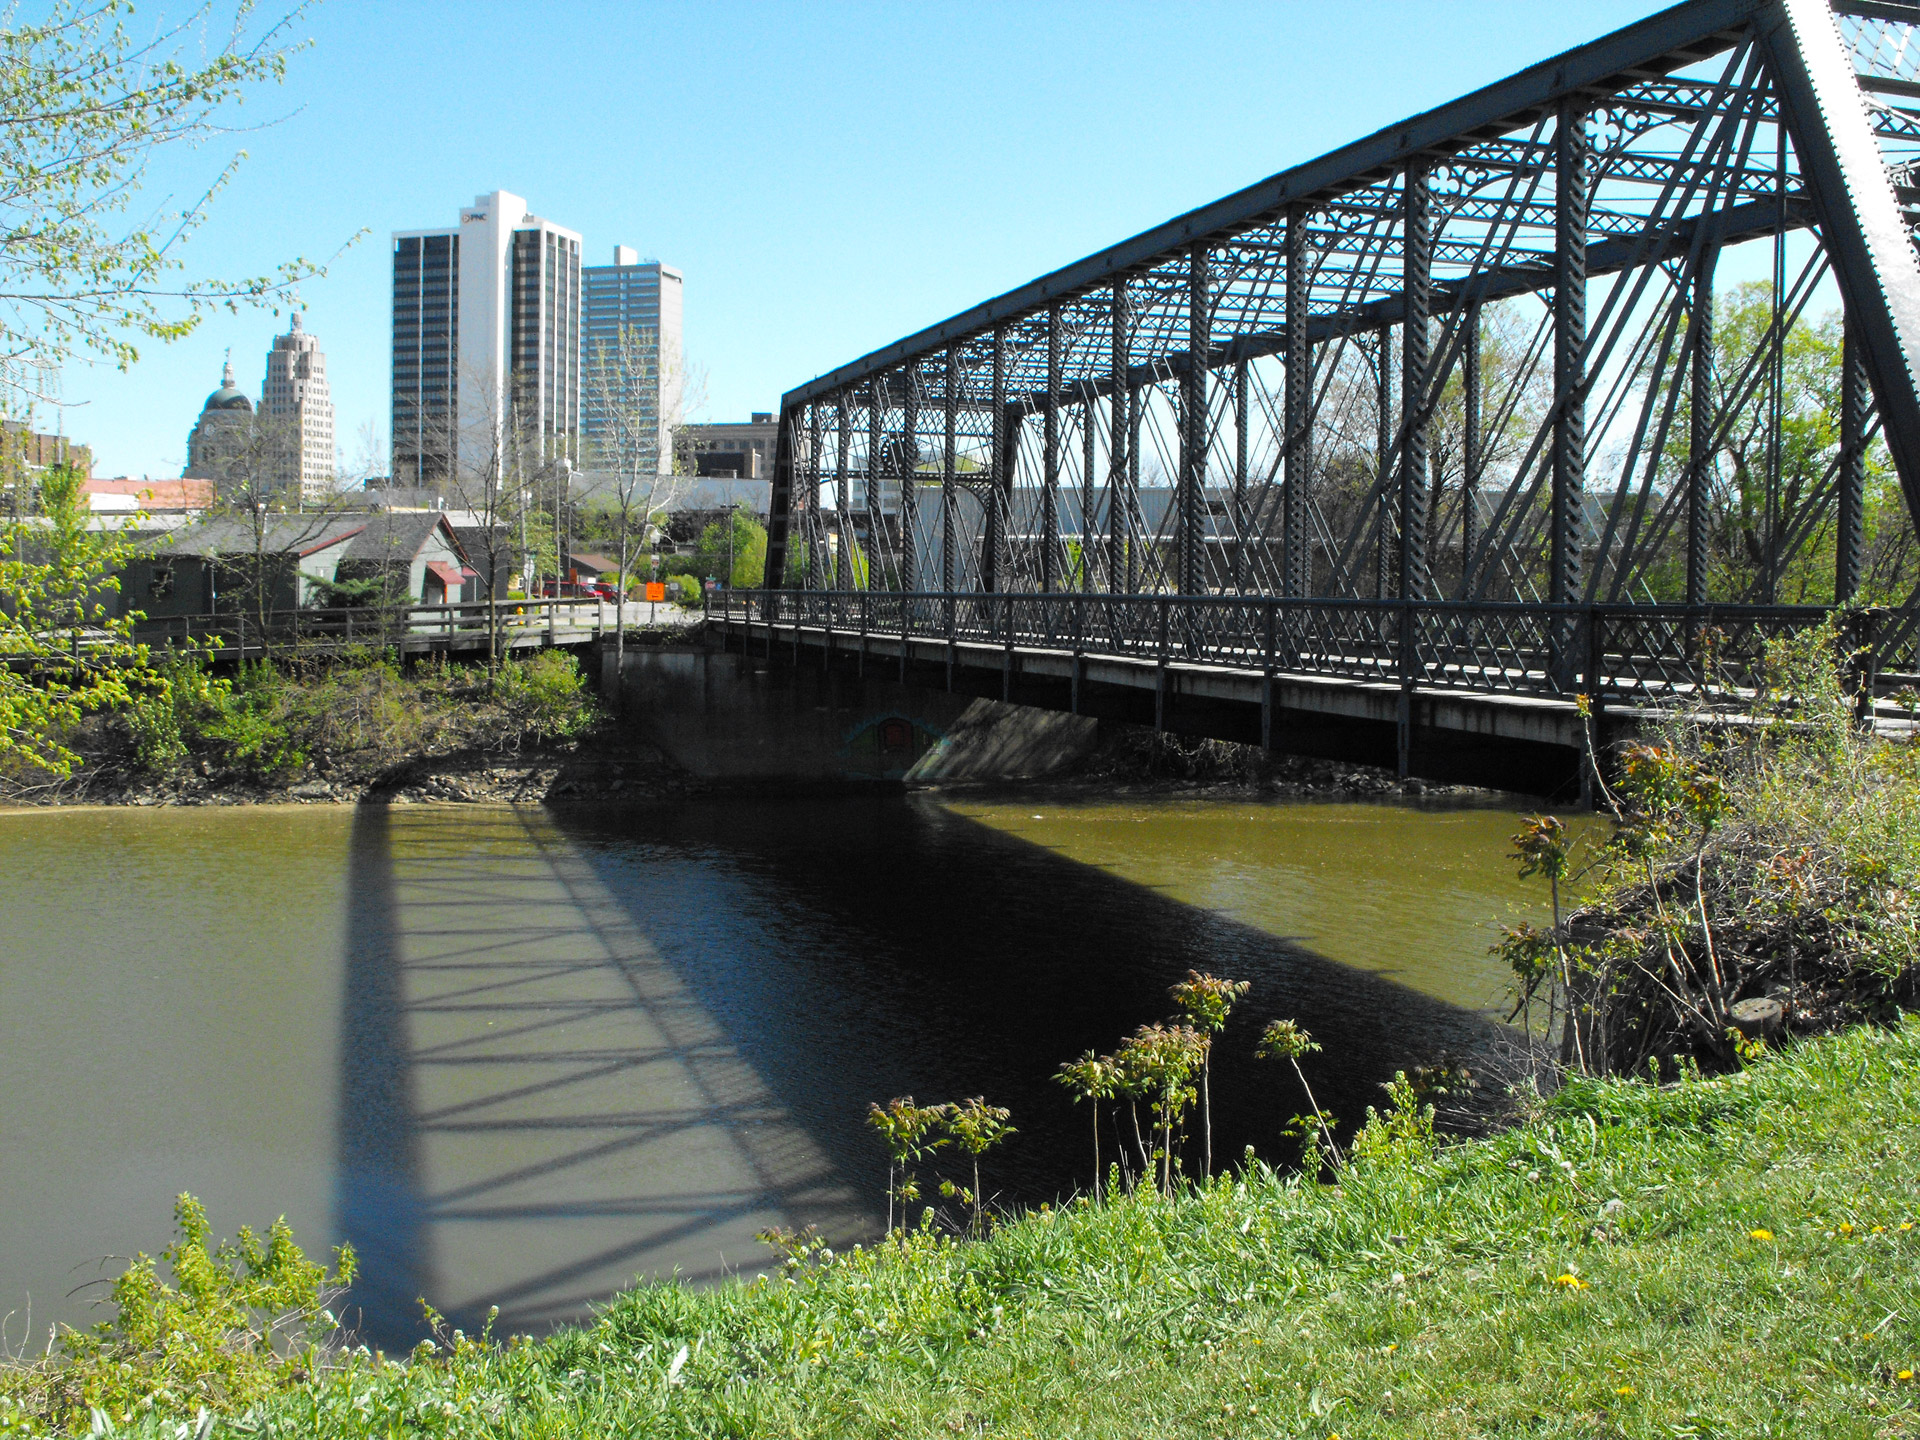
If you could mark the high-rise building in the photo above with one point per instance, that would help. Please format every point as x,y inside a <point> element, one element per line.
<point>298,411</point>
<point>486,339</point>
<point>642,299</point>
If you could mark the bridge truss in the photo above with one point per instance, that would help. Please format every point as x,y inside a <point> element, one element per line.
<point>1542,346</point>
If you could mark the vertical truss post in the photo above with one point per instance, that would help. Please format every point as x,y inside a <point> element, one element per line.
<point>1849,549</point>
<point>1294,570</point>
<point>1050,458</point>
<point>1700,425</point>
<point>998,482</point>
<point>1088,548</point>
<point>1193,428</point>
<point>1470,452</point>
<point>1241,425</point>
<point>876,402</point>
<point>909,460</point>
<point>842,494</point>
<point>1415,377</point>
<point>779,524</point>
<point>1383,443</point>
<point>1572,148</point>
<point>816,532</point>
<point>951,402</point>
<point>1122,423</point>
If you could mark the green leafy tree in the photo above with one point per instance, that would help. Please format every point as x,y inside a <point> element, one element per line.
<point>87,99</point>
<point>734,547</point>
<point>1158,1062</point>
<point>69,650</point>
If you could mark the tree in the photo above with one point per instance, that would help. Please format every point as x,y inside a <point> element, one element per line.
<point>734,546</point>
<point>85,107</point>
<point>627,392</point>
<point>66,653</point>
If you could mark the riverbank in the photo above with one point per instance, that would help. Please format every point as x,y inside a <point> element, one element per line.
<point>1734,1255</point>
<point>359,729</point>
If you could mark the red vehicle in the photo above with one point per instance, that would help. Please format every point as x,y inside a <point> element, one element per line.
<point>577,590</point>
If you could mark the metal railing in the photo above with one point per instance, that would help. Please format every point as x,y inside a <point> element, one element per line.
<point>465,625</point>
<point>1619,653</point>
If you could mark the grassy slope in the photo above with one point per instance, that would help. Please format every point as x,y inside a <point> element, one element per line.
<point>1417,1298</point>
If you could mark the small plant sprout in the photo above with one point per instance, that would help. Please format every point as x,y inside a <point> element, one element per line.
<point>1543,847</point>
<point>908,1131</point>
<point>1285,1040</point>
<point>1207,1001</point>
<point>1095,1078</point>
<point>976,1127</point>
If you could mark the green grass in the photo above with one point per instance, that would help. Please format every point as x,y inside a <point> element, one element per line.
<point>1423,1295</point>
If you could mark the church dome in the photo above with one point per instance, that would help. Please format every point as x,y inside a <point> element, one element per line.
<point>228,396</point>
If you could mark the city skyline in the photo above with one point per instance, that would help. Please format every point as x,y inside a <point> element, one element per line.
<point>753,200</point>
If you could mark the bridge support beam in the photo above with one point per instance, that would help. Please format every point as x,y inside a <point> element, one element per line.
<point>999,482</point>
<point>950,441</point>
<point>1850,542</point>
<point>909,462</point>
<point>1700,425</point>
<point>1573,180</point>
<point>1050,461</point>
<point>1120,408</point>
<point>1470,452</point>
<point>842,494</point>
<point>1415,378</point>
<point>1296,573</point>
<point>1242,522</point>
<point>1193,424</point>
<point>876,409</point>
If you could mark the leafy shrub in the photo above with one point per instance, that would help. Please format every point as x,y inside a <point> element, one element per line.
<point>230,1324</point>
<point>547,695</point>
<point>684,589</point>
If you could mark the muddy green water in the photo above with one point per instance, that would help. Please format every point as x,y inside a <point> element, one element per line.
<point>519,1057</point>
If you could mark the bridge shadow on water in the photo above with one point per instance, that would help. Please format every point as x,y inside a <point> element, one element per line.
<point>586,1045</point>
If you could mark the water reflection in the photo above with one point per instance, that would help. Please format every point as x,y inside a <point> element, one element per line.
<point>534,1108</point>
<point>519,1058</point>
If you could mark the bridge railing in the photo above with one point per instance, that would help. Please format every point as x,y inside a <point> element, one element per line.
<point>1625,653</point>
<point>462,624</point>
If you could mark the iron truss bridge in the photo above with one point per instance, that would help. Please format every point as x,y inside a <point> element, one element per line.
<point>1524,395</point>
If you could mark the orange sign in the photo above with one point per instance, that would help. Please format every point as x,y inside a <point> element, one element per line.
<point>656,592</point>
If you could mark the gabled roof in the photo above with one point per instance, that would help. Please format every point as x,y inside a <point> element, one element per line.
<point>298,535</point>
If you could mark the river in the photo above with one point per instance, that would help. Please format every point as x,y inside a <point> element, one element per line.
<point>519,1056</point>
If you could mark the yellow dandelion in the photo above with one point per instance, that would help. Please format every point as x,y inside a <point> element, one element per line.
<point>1879,1229</point>
<point>1906,1225</point>
<point>1571,1281</point>
<point>1760,1234</point>
<point>1906,1374</point>
<point>1623,1389</point>
<point>1845,1228</point>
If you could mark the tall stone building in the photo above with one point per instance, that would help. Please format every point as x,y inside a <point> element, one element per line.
<point>486,334</point>
<point>222,433</point>
<point>297,409</point>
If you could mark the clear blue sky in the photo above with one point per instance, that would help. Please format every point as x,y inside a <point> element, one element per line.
<point>828,176</point>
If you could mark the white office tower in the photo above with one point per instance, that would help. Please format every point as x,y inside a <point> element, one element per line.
<point>643,299</point>
<point>486,346</point>
<point>298,411</point>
